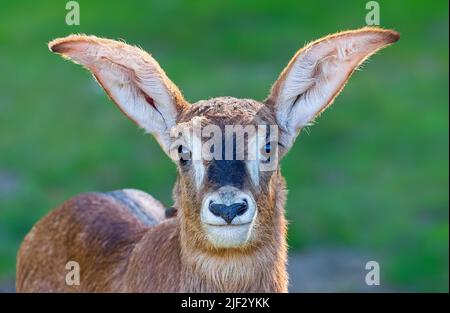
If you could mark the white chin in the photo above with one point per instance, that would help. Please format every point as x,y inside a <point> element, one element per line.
<point>228,236</point>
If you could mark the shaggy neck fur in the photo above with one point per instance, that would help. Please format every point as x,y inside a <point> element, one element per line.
<point>260,267</point>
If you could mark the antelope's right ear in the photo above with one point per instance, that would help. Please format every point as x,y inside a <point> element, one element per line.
<point>131,78</point>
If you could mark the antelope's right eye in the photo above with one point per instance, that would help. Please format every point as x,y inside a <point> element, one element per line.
<point>266,152</point>
<point>184,154</point>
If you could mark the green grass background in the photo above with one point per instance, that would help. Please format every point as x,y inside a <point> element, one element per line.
<point>372,175</point>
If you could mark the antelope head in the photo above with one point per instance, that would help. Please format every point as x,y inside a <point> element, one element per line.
<point>229,190</point>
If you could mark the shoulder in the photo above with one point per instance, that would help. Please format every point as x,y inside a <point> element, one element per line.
<point>157,255</point>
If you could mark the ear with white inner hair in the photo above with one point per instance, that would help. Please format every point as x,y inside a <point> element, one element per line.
<point>316,75</point>
<point>131,78</point>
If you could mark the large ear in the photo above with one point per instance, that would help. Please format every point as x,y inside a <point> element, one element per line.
<point>131,78</point>
<point>317,73</point>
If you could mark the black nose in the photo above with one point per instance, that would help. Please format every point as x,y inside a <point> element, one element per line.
<point>228,212</point>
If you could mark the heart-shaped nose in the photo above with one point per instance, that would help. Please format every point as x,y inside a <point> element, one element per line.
<point>228,212</point>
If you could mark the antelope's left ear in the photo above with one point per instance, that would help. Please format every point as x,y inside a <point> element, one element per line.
<point>317,73</point>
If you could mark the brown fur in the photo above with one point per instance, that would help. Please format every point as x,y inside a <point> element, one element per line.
<point>114,248</point>
<point>128,244</point>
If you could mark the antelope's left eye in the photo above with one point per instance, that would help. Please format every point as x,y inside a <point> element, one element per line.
<point>266,152</point>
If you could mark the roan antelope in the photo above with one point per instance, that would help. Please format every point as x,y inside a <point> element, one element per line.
<point>229,230</point>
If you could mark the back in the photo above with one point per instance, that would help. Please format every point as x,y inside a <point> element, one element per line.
<point>97,230</point>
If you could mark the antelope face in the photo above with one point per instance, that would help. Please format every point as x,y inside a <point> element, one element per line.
<point>227,151</point>
<point>227,191</point>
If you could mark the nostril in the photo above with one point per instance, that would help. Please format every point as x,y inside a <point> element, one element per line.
<point>242,208</point>
<point>216,209</point>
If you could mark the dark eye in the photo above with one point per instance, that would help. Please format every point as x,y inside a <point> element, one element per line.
<point>184,154</point>
<point>266,152</point>
<point>267,148</point>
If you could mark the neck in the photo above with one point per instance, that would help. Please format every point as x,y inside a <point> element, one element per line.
<point>257,268</point>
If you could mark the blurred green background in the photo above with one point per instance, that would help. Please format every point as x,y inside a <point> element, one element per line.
<point>371,176</point>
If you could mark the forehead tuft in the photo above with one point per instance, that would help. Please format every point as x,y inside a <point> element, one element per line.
<point>228,110</point>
